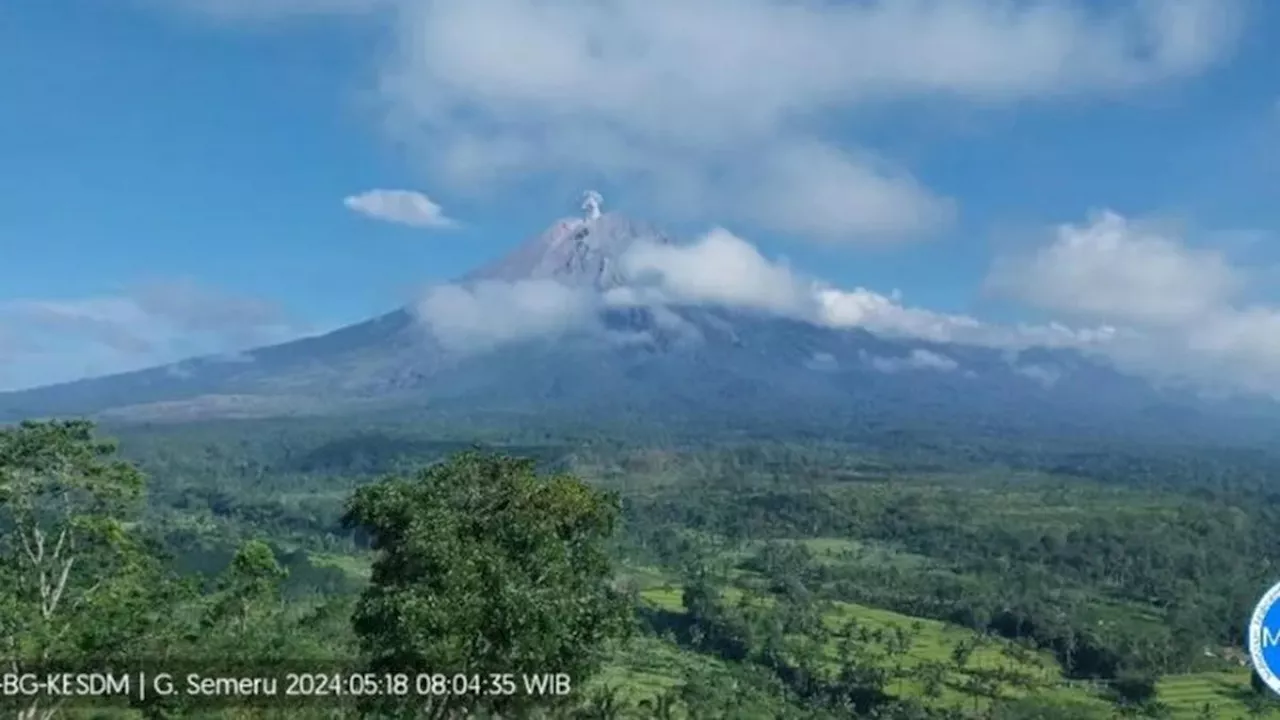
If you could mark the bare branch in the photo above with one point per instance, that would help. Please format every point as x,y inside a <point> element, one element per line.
<point>57,548</point>
<point>26,547</point>
<point>52,604</point>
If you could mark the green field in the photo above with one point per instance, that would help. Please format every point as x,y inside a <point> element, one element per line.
<point>919,580</point>
<point>647,667</point>
<point>1185,696</point>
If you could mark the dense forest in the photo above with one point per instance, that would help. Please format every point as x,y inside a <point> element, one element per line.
<point>398,570</point>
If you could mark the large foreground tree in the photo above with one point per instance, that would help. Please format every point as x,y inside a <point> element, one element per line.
<point>484,567</point>
<point>78,589</point>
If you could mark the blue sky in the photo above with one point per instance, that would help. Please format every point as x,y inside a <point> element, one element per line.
<point>175,172</point>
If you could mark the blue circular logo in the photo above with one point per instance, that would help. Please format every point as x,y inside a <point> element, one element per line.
<point>1264,638</point>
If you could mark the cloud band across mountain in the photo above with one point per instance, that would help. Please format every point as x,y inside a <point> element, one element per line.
<point>719,269</point>
<point>1142,300</point>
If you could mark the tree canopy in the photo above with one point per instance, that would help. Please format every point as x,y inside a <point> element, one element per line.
<point>484,567</point>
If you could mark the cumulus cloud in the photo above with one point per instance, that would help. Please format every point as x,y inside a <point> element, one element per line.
<point>720,269</point>
<point>1118,270</point>
<point>1179,304</point>
<point>884,314</point>
<point>686,94</point>
<point>405,207</point>
<point>724,269</point>
<point>917,359</point>
<point>482,316</point>
<point>725,108</point>
<point>729,109</point>
<point>64,339</point>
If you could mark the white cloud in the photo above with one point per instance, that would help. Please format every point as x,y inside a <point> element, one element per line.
<point>887,315</point>
<point>66,339</point>
<point>878,313</point>
<point>917,359</point>
<point>405,207</point>
<point>487,314</point>
<point>741,110</point>
<point>1178,304</point>
<point>1117,270</point>
<point>723,107</point>
<point>722,269</point>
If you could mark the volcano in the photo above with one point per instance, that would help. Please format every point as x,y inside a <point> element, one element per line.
<point>654,364</point>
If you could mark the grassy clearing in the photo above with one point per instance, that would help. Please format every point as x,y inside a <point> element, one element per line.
<point>647,666</point>
<point>845,551</point>
<point>934,644</point>
<point>357,566</point>
<point>668,598</point>
<point>1223,692</point>
<point>1186,695</point>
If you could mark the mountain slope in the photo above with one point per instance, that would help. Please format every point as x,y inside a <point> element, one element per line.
<point>653,365</point>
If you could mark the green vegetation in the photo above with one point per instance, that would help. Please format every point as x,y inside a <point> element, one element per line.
<point>484,568</point>
<point>705,579</point>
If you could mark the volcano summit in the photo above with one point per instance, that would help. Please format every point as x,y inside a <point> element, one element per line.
<point>580,322</point>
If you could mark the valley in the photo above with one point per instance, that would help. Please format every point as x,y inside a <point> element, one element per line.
<point>785,579</point>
